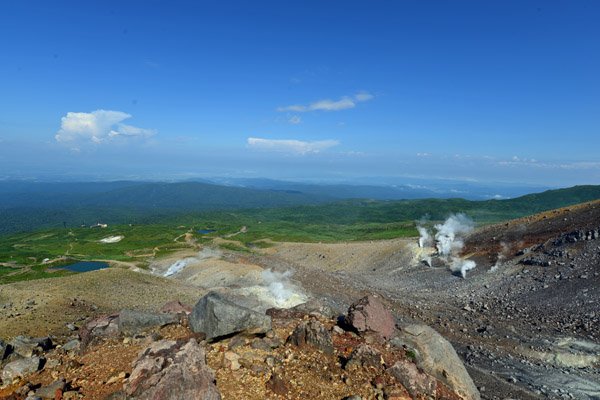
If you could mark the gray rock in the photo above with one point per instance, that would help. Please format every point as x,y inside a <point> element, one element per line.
<point>168,370</point>
<point>27,346</point>
<point>20,368</point>
<point>216,316</point>
<point>316,306</point>
<point>71,327</point>
<point>49,392</point>
<point>132,322</point>
<point>364,356</point>
<point>417,383</point>
<point>72,345</point>
<point>436,357</point>
<point>259,344</point>
<point>312,333</point>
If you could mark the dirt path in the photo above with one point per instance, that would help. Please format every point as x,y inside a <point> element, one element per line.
<point>243,229</point>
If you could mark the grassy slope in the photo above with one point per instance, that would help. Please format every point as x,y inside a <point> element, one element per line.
<point>340,221</point>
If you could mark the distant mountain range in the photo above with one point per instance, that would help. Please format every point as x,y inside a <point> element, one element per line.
<point>26,206</point>
<point>378,188</point>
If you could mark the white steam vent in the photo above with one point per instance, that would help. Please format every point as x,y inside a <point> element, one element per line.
<point>448,241</point>
<point>425,239</point>
<point>276,290</point>
<point>180,264</point>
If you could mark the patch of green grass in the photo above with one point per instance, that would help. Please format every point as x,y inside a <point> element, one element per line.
<point>35,272</point>
<point>411,355</point>
<point>234,247</point>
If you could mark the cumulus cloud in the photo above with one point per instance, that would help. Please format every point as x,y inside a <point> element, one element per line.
<point>291,145</point>
<point>98,126</point>
<point>343,103</point>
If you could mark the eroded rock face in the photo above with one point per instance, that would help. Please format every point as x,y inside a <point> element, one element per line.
<point>369,314</point>
<point>436,357</point>
<point>168,370</point>
<point>217,316</point>
<point>312,333</point>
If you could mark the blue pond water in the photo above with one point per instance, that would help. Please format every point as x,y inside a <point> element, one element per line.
<point>86,266</point>
<point>206,231</point>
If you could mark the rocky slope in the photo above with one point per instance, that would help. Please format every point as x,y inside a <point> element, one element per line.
<point>219,352</point>
<point>525,321</point>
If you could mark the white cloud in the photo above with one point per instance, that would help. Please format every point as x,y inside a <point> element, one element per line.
<point>97,127</point>
<point>363,96</point>
<point>295,120</point>
<point>291,145</point>
<point>343,103</point>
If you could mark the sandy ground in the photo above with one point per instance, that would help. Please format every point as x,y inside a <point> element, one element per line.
<point>352,256</point>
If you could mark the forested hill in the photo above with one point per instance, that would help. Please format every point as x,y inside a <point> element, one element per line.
<point>30,207</point>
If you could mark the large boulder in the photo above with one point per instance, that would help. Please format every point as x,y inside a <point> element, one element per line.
<point>20,368</point>
<point>102,326</point>
<point>26,346</point>
<point>416,382</point>
<point>311,307</point>
<point>49,391</point>
<point>216,316</point>
<point>132,322</point>
<point>312,333</point>
<point>436,357</point>
<point>170,370</point>
<point>370,315</point>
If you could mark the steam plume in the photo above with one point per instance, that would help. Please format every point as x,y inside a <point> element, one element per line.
<point>448,242</point>
<point>424,237</point>
<point>462,266</point>
<point>448,236</point>
<point>279,285</point>
<point>501,257</point>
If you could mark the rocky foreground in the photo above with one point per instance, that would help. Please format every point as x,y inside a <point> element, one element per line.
<point>220,349</point>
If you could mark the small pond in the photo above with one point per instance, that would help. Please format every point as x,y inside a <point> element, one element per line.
<point>85,266</point>
<point>206,231</point>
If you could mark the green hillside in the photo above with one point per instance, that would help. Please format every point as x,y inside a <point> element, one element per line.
<point>340,221</point>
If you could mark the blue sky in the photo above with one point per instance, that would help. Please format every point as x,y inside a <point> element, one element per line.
<point>490,91</point>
